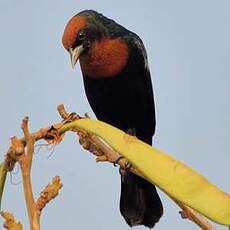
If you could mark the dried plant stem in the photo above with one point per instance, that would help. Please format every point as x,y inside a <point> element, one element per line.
<point>90,142</point>
<point>24,156</point>
<point>189,213</point>
<point>25,161</point>
<point>27,186</point>
<point>48,193</point>
<point>10,222</point>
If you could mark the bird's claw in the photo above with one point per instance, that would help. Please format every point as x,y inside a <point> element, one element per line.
<point>128,166</point>
<point>117,160</point>
<point>125,169</point>
<point>131,132</point>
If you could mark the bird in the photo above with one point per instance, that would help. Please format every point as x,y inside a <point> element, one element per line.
<point>118,87</point>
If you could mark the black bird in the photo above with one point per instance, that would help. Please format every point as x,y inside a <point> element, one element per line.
<point>118,87</point>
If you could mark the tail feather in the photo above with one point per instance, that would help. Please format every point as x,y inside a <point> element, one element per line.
<point>139,202</point>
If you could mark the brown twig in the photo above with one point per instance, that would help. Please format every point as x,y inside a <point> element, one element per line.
<point>29,142</point>
<point>49,193</point>
<point>25,161</point>
<point>43,133</point>
<point>62,112</point>
<point>189,213</point>
<point>10,222</point>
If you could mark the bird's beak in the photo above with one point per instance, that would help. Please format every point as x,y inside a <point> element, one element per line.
<point>75,54</point>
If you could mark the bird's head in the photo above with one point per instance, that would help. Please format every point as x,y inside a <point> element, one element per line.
<point>79,34</point>
<point>87,36</point>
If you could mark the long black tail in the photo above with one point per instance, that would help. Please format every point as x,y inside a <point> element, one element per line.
<point>140,203</point>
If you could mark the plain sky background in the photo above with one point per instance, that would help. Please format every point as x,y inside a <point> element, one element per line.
<point>188,44</point>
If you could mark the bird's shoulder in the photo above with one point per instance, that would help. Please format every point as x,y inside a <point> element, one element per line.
<point>137,49</point>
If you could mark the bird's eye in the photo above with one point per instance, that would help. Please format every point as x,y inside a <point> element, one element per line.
<point>81,35</point>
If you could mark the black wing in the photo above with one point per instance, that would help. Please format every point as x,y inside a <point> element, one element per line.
<point>126,100</point>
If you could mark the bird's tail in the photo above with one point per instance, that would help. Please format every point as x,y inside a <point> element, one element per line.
<point>139,202</point>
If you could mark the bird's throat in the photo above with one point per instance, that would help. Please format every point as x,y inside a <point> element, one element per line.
<point>106,58</point>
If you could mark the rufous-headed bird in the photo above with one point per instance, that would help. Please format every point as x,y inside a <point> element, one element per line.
<point>118,86</point>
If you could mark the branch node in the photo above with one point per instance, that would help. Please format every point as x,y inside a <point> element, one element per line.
<point>102,158</point>
<point>62,112</point>
<point>65,115</point>
<point>17,147</point>
<point>192,215</point>
<point>10,222</point>
<point>48,193</point>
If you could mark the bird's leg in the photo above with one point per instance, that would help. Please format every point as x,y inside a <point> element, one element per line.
<point>132,132</point>
<point>122,172</point>
<point>128,166</point>
<point>126,169</point>
<point>117,160</point>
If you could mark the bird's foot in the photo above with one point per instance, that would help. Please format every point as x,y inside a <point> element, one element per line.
<point>128,166</point>
<point>115,163</point>
<point>131,132</point>
<point>126,169</point>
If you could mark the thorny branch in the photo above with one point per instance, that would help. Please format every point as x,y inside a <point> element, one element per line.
<point>89,142</point>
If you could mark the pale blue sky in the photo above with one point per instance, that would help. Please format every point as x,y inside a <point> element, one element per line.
<point>189,54</point>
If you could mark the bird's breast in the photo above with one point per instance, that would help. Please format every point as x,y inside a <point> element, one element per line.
<point>105,58</point>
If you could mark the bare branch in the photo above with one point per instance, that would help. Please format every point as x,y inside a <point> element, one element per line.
<point>62,112</point>
<point>189,213</point>
<point>25,163</point>
<point>10,222</point>
<point>29,141</point>
<point>49,193</point>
